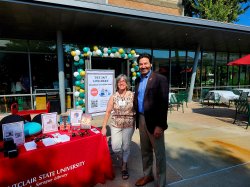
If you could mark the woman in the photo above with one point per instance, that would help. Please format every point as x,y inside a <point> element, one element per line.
<point>122,125</point>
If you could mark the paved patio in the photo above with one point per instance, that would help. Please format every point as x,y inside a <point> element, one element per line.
<point>203,148</point>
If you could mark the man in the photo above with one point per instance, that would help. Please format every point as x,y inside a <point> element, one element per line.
<point>151,105</point>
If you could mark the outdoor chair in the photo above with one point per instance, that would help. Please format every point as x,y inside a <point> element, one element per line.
<point>183,96</point>
<point>242,107</point>
<point>177,100</point>
<point>204,92</point>
<point>243,95</point>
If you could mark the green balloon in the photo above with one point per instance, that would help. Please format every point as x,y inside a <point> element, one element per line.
<point>81,95</point>
<point>78,77</point>
<point>80,102</point>
<point>81,61</point>
<point>113,50</point>
<point>82,86</point>
<point>79,70</point>
<point>77,83</point>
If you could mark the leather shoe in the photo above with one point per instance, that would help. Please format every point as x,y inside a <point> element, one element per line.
<point>144,180</point>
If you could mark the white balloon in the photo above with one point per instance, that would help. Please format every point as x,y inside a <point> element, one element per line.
<point>135,63</point>
<point>76,58</point>
<point>78,52</point>
<point>126,56</point>
<point>98,52</point>
<point>132,70</point>
<point>76,73</point>
<point>105,49</point>
<point>76,94</point>
<point>89,53</point>
<point>83,100</point>
<point>112,55</point>
<point>117,54</point>
<point>105,54</point>
<point>94,53</point>
<point>133,78</point>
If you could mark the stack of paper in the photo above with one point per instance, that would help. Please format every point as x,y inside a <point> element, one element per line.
<point>62,138</point>
<point>48,141</point>
<point>30,146</point>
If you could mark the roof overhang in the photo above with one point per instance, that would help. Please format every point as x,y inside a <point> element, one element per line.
<point>91,23</point>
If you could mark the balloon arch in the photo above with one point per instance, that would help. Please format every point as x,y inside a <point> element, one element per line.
<point>79,67</point>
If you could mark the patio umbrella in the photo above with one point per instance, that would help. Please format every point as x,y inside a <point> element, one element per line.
<point>241,61</point>
<point>188,70</point>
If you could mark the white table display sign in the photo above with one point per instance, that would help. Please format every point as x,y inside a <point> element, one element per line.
<point>86,121</point>
<point>14,130</point>
<point>49,122</point>
<point>75,118</point>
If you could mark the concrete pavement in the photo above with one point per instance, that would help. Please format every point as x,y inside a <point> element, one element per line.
<point>203,148</point>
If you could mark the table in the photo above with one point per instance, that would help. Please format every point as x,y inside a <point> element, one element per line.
<point>225,95</point>
<point>244,90</point>
<point>83,161</point>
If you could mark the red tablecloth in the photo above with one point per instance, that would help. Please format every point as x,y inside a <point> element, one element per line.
<point>83,161</point>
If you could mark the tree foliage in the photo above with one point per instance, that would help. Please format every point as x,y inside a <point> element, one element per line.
<point>219,10</point>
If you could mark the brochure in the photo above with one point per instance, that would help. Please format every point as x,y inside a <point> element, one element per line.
<point>75,117</point>
<point>86,121</point>
<point>49,122</point>
<point>15,131</point>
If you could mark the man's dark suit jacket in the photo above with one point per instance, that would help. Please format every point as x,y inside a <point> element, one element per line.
<point>155,102</point>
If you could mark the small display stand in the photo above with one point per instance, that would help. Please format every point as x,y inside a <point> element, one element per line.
<point>49,122</point>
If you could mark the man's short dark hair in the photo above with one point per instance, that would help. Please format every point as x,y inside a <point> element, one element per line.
<point>145,55</point>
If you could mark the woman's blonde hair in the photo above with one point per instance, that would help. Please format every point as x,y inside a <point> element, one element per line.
<point>125,78</point>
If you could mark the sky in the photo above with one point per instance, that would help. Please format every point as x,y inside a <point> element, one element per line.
<point>244,19</point>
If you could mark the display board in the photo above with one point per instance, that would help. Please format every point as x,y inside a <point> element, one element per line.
<point>99,87</point>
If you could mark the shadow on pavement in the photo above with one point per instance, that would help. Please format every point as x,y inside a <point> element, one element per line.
<point>224,114</point>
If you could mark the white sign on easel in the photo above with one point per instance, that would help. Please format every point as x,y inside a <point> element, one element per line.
<point>49,122</point>
<point>75,118</point>
<point>15,131</point>
<point>99,88</point>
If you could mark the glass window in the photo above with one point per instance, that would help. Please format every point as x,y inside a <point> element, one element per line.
<point>13,45</point>
<point>207,69</point>
<point>233,71</point>
<point>244,74</point>
<point>161,62</point>
<point>178,67</point>
<point>44,71</point>
<point>221,69</point>
<point>42,46</point>
<point>14,71</point>
<point>139,51</point>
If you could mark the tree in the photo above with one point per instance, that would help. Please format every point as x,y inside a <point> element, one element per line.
<point>218,10</point>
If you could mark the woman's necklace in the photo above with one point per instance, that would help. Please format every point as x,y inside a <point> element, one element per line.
<point>121,101</point>
<point>122,95</point>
